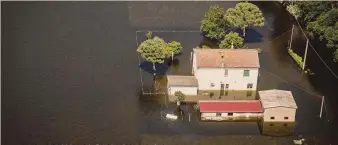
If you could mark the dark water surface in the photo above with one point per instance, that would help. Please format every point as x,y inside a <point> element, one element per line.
<point>70,73</point>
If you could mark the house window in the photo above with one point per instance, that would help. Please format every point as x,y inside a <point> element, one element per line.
<point>212,84</point>
<point>286,118</point>
<point>271,124</point>
<point>225,72</point>
<point>248,93</point>
<point>285,125</point>
<point>272,118</point>
<point>249,86</point>
<point>227,86</point>
<point>246,73</point>
<point>230,114</point>
<point>218,114</point>
<point>226,93</point>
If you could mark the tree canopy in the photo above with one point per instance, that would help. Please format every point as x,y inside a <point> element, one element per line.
<point>245,15</point>
<point>232,39</point>
<point>180,96</point>
<point>213,25</point>
<point>173,47</point>
<point>320,17</point>
<point>153,50</point>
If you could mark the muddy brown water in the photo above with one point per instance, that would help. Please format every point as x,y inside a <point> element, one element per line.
<point>70,73</point>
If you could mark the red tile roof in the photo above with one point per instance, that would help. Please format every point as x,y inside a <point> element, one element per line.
<point>227,58</point>
<point>249,106</point>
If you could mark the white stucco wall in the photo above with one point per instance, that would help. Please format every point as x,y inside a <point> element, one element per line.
<point>187,90</point>
<point>235,78</point>
<point>279,113</point>
<point>194,67</point>
<point>212,116</point>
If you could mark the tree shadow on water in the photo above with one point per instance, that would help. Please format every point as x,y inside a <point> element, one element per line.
<point>251,35</point>
<point>148,67</point>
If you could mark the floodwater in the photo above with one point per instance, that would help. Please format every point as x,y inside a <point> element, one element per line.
<point>71,75</point>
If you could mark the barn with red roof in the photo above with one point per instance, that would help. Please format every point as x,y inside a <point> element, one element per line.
<point>230,110</point>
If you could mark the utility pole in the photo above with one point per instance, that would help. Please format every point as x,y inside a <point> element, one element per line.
<point>293,26</point>
<point>321,108</point>
<point>307,44</point>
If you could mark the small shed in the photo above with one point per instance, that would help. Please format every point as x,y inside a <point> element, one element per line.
<point>186,84</point>
<point>279,112</point>
<point>231,110</point>
<point>278,105</point>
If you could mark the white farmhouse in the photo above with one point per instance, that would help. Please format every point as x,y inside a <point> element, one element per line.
<point>219,74</point>
<point>226,69</point>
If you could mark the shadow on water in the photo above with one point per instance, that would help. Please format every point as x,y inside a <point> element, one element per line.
<point>252,35</point>
<point>207,42</point>
<point>148,67</point>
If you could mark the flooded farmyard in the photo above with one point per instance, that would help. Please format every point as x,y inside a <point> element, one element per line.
<point>71,75</point>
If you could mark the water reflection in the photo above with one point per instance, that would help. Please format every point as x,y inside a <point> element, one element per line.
<point>277,128</point>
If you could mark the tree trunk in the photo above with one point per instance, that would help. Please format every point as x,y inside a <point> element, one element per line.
<point>154,68</point>
<point>172,58</point>
<point>243,31</point>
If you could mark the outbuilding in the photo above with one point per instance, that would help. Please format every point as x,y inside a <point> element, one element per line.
<point>186,84</point>
<point>230,110</point>
<point>279,111</point>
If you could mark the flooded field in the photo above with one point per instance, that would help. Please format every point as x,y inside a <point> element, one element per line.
<point>71,75</point>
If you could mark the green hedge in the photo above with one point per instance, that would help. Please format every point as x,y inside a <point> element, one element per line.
<point>296,57</point>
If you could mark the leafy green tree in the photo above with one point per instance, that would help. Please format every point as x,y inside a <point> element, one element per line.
<point>153,50</point>
<point>294,10</point>
<point>173,48</point>
<point>245,15</point>
<point>213,25</point>
<point>180,96</point>
<point>311,10</point>
<point>149,35</point>
<point>326,26</point>
<point>232,40</point>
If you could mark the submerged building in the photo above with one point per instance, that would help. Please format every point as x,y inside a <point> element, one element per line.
<point>230,110</point>
<point>219,73</point>
<point>279,109</point>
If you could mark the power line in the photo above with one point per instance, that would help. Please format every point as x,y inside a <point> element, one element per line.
<point>276,37</point>
<point>316,51</point>
<point>274,75</point>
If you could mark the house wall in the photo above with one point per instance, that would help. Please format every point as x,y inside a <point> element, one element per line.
<point>194,67</point>
<point>279,113</point>
<point>235,78</point>
<point>235,116</point>
<point>187,90</point>
<point>229,95</point>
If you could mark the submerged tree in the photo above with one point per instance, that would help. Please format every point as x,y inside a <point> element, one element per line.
<point>214,25</point>
<point>153,50</point>
<point>149,35</point>
<point>180,97</point>
<point>173,48</point>
<point>326,26</point>
<point>232,40</point>
<point>245,15</point>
